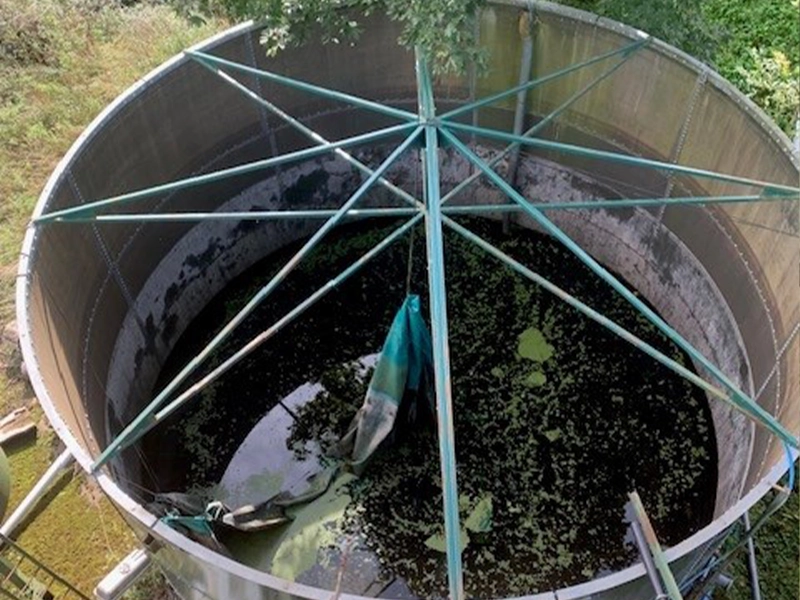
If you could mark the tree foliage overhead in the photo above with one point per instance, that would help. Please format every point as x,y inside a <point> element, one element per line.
<point>680,23</point>
<point>444,29</point>
<point>754,44</point>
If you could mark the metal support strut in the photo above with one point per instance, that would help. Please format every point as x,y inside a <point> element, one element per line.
<point>439,331</point>
<point>657,554</point>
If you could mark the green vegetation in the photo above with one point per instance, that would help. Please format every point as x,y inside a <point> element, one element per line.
<point>682,24</point>
<point>533,345</point>
<point>97,537</point>
<point>444,29</point>
<point>755,44</point>
<point>777,556</point>
<point>60,64</point>
<point>760,53</point>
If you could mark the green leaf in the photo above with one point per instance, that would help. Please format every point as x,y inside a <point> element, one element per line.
<point>480,519</point>
<point>552,434</point>
<point>535,379</point>
<point>533,345</point>
<point>438,542</point>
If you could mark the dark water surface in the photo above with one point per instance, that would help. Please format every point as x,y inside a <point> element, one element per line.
<point>556,419</point>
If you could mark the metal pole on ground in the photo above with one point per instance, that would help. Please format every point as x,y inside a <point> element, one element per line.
<point>31,500</point>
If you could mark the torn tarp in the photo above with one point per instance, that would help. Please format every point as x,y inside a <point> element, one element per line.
<point>400,388</point>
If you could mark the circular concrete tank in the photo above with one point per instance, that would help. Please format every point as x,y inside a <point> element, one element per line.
<point>100,306</point>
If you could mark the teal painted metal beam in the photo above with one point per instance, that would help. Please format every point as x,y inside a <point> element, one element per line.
<point>307,131</point>
<point>772,188</point>
<point>255,215</point>
<point>271,331</point>
<point>440,334</point>
<point>258,165</point>
<point>316,90</point>
<point>542,80</point>
<point>609,204</point>
<point>146,416</point>
<point>741,399</point>
<point>541,124</point>
<point>673,591</point>
<point>361,213</point>
<point>597,317</point>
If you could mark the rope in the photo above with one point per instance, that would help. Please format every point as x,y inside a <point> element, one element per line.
<point>410,256</point>
<point>410,261</point>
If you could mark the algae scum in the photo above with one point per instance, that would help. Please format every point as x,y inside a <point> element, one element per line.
<point>555,419</point>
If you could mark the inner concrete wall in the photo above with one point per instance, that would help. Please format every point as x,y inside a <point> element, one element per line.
<point>632,242</point>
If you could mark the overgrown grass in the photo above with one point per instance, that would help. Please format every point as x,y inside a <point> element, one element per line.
<point>777,557</point>
<point>60,64</point>
<point>79,535</point>
<point>93,54</point>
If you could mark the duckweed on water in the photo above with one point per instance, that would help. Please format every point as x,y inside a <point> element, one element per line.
<point>555,418</point>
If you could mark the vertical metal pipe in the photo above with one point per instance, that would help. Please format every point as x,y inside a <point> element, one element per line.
<point>473,72</point>
<point>752,567</point>
<point>647,559</point>
<point>525,27</point>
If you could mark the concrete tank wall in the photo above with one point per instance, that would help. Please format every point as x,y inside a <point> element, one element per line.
<point>101,305</point>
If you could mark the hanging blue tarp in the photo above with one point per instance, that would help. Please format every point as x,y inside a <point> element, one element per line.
<point>399,389</point>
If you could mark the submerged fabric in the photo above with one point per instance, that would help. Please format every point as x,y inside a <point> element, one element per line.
<point>399,391</point>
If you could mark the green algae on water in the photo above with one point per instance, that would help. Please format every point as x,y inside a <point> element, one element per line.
<point>555,418</point>
<point>315,526</point>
